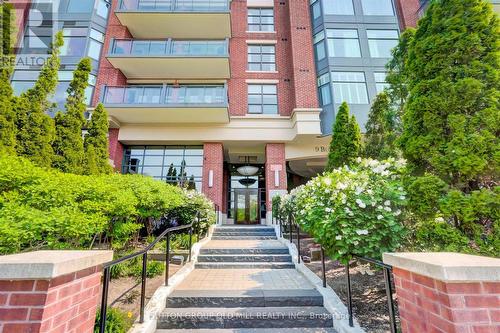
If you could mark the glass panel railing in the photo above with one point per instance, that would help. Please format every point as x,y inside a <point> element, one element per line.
<point>176,5</point>
<point>170,48</point>
<point>166,95</point>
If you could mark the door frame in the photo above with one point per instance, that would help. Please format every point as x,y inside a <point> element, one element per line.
<point>247,193</point>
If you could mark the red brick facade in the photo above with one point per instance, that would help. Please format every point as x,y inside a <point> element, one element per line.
<point>115,148</point>
<point>275,160</point>
<point>65,304</point>
<point>428,305</point>
<point>407,13</point>
<point>213,160</point>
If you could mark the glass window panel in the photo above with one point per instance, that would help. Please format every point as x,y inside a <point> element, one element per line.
<point>269,89</point>
<point>255,109</point>
<point>344,48</point>
<point>352,93</point>
<point>21,86</point>
<point>194,160</point>
<point>270,109</point>
<point>98,36</point>
<point>338,7</point>
<point>377,7</point>
<point>254,89</point>
<point>380,76</point>
<point>342,33</point>
<point>325,94</point>
<point>152,171</point>
<point>194,152</point>
<point>383,34</point>
<point>381,48</point>
<point>80,6</point>
<point>260,19</point>
<point>103,9</point>
<point>65,75</point>
<point>320,51</point>
<point>348,76</point>
<point>193,171</point>
<point>88,94</point>
<point>153,160</point>
<point>73,46</point>
<point>94,49</point>
<point>316,10</point>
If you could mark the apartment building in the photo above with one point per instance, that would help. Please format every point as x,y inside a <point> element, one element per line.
<point>233,98</point>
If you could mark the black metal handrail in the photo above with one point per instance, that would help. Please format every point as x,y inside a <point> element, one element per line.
<point>144,253</point>
<point>386,268</point>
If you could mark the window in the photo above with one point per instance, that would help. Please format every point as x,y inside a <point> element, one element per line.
<point>349,87</point>
<point>261,58</point>
<point>338,7</point>
<point>324,90</point>
<point>319,45</point>
<point>95,44</point>
<point>380,82</point>
<point>262,99</point>
<point>103,8</point>
<point>260,19</point>
<point>377,7</point>
<point>178,165</point>
<point>343,43</point>
<point>381,42</point>
<point>80,6</point>
<point>316,9</point>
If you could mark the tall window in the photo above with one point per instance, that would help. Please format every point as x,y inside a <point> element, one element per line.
<point>262,99</point>
<point>381,42</point>
<point>261,58</point>
<point>343,43</point>
<point>95,44</point>
<point>75,41</point>
<point>80,6</point>
<point>339,7</point>
<point>316,9</point>
<point>319,45</point>
<point>377,7</point>
<point>179,165</point>
<point>260,19</point>
<point>349,87</point>
<point>324,90</point>
<point>380,81</point>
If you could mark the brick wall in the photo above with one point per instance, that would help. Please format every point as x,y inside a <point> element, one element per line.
<point>275,159</point>
<point>65,304</point>
<point>213,159</point>
<point>238,99</point>
<point>115,148</point>
<point>429,305</point>
<point>407,13</point>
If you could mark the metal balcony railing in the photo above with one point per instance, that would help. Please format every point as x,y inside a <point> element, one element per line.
<point>175,5</point>
<point>170,48</point>
<point>166,96</point>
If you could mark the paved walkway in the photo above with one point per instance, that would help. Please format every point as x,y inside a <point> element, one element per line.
<point>244,281</point>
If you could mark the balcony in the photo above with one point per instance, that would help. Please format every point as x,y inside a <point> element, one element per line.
<point>167,104</point>
<point>208,19</point>
<point>159,59</point>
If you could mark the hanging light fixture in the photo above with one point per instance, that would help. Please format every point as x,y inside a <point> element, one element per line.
<point>247,170</point>
<point>247,181</point>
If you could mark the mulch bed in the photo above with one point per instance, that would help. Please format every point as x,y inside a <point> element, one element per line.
<point>368,291</point>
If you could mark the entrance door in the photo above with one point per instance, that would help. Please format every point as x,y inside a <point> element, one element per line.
<point>246,206</point>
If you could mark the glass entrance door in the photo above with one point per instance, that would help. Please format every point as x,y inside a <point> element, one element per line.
<point>246,206</point>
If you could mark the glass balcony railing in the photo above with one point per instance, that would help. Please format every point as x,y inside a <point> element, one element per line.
<point>175,5</point>
<point>170,47</point>
<point>180,96</point>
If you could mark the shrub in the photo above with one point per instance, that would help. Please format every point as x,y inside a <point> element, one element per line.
<point>153,269</point>
<point>42,208</point>
<point>117,321</point>
<point>354,210</point>
<point>437,235</point>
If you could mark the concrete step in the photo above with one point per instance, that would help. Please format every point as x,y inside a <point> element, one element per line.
<point>244,228</point>
<point>245,251</point>
<point>253,317</point>
<point>252,330</point>
<point>244,233</point>
<point>243,265</point>
<point>245,258</point>
<point>244,298</point>
<point>215,237</point>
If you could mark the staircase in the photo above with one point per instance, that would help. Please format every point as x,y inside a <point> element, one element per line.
<point>244,281</point>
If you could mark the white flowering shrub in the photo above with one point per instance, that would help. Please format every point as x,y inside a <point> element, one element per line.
<point>353,210</point>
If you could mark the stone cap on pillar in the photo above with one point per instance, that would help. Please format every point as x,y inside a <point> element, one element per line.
<point>49,264</point>
<point>447,266</point>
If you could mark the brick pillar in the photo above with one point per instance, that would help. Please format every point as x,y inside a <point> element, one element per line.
<point>50,291</point>
<point>213,164</point>
<point>447,292</point>
<point>407,13</point>
<point>115,149</point>
<point>275,167</point>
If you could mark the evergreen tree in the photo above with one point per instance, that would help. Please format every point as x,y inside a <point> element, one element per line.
<point>7,124</point>
<point>451,121</point>
<point>68,146</point>
<point>97,137</point>
<point>35,128</point>
<point>346,140</point>
<point>91,167</point>
<point>380,133</point>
